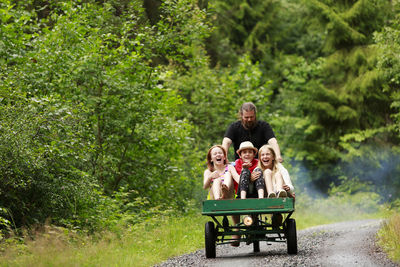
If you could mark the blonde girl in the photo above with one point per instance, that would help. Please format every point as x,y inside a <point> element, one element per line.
<point>277,179</point>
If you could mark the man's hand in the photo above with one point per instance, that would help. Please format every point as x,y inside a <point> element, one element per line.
<point>226,143</point>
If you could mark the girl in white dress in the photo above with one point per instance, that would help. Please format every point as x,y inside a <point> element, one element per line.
<point>277,179</point>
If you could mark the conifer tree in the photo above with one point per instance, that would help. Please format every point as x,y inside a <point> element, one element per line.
<point>243,26</point>
<point>336,102</point>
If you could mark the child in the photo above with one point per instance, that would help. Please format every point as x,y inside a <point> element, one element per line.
<point>217,177</point>
<point>245,165</point>
<point>276,177</point>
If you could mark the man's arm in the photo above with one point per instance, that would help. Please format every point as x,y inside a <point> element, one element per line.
<point>274,143</point>
<point>226,143</point>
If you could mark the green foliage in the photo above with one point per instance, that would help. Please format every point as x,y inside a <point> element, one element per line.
<point>336,103</point>
<point>349,187</point>
<point>388,41</point>
<point>84,111</point>
<point>213,97</point>
<point>5,224</point>
<point>243,27</point>
<point>349,22</point>
<point>42,157</point>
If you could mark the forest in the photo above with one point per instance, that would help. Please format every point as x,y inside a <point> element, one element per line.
<point>108,107</point>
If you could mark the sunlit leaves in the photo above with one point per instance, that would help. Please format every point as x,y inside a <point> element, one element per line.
<point>89,110</point>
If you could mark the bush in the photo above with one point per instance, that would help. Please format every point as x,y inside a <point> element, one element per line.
<point>42,158</point>
<point>389,237</point>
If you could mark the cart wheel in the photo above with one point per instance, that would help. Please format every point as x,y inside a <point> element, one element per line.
<point>210,240</point>
<point>291,236</point>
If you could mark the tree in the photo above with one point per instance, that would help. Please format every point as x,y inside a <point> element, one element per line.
<point>243,27</point>
<point>88,80</point>
<point>336,103</point>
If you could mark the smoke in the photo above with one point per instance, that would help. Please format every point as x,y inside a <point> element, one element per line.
<point>302,180</point>
<point>377,169</point>
<point>379,166</point>
<point>357,187</point>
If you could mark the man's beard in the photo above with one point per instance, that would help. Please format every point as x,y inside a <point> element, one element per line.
<point>249,124</point>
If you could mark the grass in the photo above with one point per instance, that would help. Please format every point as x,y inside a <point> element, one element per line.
<point>311,212</point>
<point>156,240</point>
<point>142,245</point>
<point>389,237</point>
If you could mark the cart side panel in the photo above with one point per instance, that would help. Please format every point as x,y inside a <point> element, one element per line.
<point>248,206</point>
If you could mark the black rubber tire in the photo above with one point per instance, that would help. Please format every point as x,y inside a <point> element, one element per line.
<point>210,238</point>
<point>291,236</point>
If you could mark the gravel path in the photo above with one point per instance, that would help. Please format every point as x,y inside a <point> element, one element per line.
<point>340,244</point>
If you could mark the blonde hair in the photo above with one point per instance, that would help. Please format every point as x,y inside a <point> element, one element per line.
<point>210,164</point>
<point>274,162</point>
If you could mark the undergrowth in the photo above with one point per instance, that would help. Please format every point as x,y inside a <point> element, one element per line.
<point>389,237</point>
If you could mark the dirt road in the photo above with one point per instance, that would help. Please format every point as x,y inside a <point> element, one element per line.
<point>341,244</point>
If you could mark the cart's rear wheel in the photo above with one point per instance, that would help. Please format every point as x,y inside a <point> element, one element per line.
<point>291,236</point>
<point>210,238</point>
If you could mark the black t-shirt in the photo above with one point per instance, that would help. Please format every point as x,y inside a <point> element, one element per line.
<point>259,135</point>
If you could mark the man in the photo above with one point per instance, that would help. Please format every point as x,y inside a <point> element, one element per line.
<point>248,128</point>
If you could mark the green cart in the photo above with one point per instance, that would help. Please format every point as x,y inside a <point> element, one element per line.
<point>255,227</point>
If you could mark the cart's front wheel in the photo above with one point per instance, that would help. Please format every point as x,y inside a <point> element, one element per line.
<point>291,236</point>
<point>210,237</point>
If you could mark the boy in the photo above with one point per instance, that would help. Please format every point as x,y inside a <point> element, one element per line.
<point>245,165</point>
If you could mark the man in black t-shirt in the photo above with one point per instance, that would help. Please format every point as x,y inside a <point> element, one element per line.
<point>250,129</point>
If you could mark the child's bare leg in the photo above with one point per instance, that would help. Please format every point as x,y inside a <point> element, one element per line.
<point>268,182</point>
<point>279,185</point>
<point>226,186</point>
<point>224,191</point>
<point>228,180</point>
<point>279,181</point>
<point>216,188</point>
<point>260,193</point>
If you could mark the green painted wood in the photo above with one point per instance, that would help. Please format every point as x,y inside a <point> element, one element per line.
<point>248,206</point>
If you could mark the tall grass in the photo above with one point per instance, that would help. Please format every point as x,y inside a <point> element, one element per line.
<point>141,245</point>
<point>389,237</point>
<point>160,238</point>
